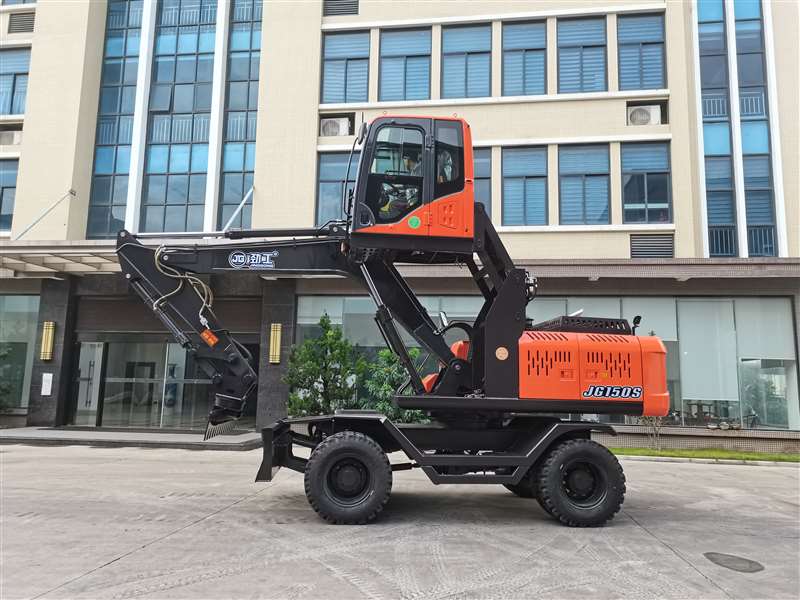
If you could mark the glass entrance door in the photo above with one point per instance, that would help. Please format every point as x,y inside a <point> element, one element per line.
<point>141,385</point>
<point>89,381</point>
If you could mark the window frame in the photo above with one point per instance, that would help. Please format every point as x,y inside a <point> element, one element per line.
<point>559,46</point>
<point>320,181</point>
<point>347,61</point>
<point>524,179</point>
<point>465,56</point>
<point>5,188</point>
<point>405,58</point>
<point>646,175</point>
<point>524,52</point>
<point>584,177</point>
<point>641,45</point>
<point>475,178</point>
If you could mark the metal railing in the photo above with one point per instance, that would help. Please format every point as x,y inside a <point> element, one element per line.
<point>751,103</point>
<point>715,105</point>
<point>761,240</point>
<point>722,240</point>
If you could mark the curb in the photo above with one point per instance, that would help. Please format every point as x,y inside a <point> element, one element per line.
<point>709,461</point>
<point>234,447</point>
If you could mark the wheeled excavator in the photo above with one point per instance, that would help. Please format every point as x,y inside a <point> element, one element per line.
<point>500,400</point>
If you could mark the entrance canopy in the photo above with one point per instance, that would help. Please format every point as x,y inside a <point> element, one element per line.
<point>37,259</point>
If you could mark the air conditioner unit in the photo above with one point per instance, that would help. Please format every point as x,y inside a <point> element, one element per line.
<point>644,115</point>
<point>10,138</point>
<point>333,126</point>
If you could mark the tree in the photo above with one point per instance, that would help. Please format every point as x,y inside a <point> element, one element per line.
<point>653,427</point>
<point>323,373</point>
<point>382,378</point>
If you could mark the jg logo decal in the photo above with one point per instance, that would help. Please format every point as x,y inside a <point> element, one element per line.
<point>252,260</point>
<point>613,391</point>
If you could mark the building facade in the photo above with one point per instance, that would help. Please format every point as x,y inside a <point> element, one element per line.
<point>640,157</point>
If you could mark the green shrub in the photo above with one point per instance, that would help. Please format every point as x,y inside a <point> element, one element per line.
<point>381,379</point>
<point>323,373</point>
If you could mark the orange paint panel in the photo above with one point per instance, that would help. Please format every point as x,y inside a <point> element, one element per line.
<point>548,365</point>
<point>594,367</point>
<point>460,349</point>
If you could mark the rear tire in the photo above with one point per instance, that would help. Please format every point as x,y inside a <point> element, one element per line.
<point>581,484</point>
<point>348,478</point>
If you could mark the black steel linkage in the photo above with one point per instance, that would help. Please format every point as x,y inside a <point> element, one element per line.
<point>405,307</point>
<point>388,329</point>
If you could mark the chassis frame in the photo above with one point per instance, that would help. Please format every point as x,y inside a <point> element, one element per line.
<point>501,454</point>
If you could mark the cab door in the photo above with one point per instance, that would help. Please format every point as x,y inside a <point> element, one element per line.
<point>394,181</point>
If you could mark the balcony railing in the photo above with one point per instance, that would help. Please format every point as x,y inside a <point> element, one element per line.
<point>761,240</point>
<point>751,103</point>
<point>715,105</point>
<point>722,240</point>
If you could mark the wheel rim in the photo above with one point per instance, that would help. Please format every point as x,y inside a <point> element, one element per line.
<point>583,484</point>
<point>348,481</point>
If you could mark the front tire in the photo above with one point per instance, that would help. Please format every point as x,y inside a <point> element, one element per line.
<point>581,484</point>
<point>348,478</point>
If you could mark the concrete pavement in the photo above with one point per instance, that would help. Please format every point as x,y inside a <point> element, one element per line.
<point>81,522</point>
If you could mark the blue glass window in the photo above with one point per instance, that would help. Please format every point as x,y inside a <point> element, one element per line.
<point>525,186</point>
<point>717,139</point>
<point>345,67</point>
<point>641,52</point>
<point>646,183</point>
<point>8,191</point>
<point>241,115</point>
<point>755,137</point>
<point>482,165</point>
<point>581,55</point>
<point>332,171</point>
<point>710,10</point>
<point>719,187</point>
<point>466,61</point>
<point>14,66</point>
<point>746,9</point>
<point>583,185</point>
<point>112,155</point>
<point>179,114</point>
<point>405,72</point>
<point>524,59</point>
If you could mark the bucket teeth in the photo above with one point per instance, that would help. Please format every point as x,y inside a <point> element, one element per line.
<point>215,430</point>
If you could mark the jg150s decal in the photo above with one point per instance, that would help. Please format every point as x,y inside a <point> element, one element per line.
<point>252,260</point>
<point>613,391</point>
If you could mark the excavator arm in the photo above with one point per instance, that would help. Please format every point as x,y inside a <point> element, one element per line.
<point>170,280</point>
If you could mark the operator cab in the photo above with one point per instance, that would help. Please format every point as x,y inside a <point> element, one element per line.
<point>415,185</point>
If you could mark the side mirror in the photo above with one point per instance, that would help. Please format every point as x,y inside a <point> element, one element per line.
<point>362,133</point>
<point>443,318</point>
<point>636,321</point>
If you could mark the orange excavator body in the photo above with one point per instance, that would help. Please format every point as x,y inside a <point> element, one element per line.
<point>592,367</point>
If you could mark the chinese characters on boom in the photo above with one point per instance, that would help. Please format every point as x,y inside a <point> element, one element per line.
<point>252,260</point>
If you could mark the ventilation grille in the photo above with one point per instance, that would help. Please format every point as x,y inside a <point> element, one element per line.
<point>542,362</point>
<point>652,246</point>
<point>550,337</point>
<point>605,338</point>
<point>332,8</point>
<point>583,325</point>
<point>20,22</point>
<point>617,364</point>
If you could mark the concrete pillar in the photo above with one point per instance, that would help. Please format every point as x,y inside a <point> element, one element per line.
<point>57,303</point>
<point>278,302</point>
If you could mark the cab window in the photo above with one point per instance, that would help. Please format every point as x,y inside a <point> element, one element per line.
<point>394,185</point>
<point>449,159</point>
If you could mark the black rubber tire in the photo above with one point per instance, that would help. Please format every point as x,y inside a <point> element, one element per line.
<point>364,458</point>
<point>595,468</point>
